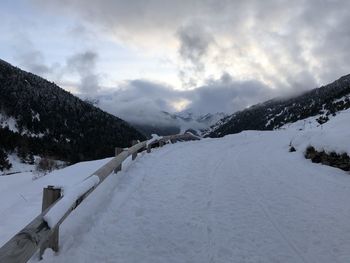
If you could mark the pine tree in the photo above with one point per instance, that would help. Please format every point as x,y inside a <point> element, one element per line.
<point>4,162</point>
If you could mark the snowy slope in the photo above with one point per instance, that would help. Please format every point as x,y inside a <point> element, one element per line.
<point>332,136</point>
<point>241,198</point>
<point>17,166</point>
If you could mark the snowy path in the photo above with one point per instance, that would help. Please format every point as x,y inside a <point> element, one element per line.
<point>242,198</point>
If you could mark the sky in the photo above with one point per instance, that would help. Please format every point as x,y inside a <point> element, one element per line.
<point>161,55</point>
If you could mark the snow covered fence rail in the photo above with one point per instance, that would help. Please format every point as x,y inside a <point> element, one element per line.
<point>39,232</point>
<point>171,138</point>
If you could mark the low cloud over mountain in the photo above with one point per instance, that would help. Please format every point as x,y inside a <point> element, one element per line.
<point>143,102</point>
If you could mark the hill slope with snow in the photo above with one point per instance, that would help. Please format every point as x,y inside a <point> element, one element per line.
<point>240,198</point>
<point>323,102</point>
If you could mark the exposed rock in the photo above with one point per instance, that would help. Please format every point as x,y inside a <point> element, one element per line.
<point>292,149</point>
<point>341,161</point>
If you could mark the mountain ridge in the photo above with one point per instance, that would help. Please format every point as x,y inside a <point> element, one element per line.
<point>322,102</point>
<point>49,121</point>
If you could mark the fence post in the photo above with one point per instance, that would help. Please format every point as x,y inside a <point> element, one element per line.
<point>118,151</point>
<point>149,148</point>
<point>50,195</point>
<point>134,155</point>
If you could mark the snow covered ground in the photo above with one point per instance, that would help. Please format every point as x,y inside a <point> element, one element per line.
<point>17,166</point>
<point>21,196</point>
<point>241,198</point>
<point>332,136</point>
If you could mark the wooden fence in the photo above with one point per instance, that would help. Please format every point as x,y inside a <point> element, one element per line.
<point>38,234</point>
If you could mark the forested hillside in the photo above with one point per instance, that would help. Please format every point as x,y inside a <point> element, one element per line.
<point>322,102</point>
<point>39,118</point>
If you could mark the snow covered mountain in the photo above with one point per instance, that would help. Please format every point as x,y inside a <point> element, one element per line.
<point>323,102</point>
<point>187,120</point>
<point>39,118</point>
<point>206,119</point>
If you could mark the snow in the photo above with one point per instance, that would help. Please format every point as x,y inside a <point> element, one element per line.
<point>331,136</point>
<point>269,122</point>
<point>36,116</point>
<point>17,165</point>
<point>70,195</point>
<point>9,122</point>
<point>21,196</point>
<point>154,138</point>
<point>241,198</point>
<point>342,99</point>
<point>305,124</point>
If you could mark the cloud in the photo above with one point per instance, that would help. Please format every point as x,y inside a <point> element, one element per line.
<point>29,57</point>
<point>272,41</point>
<point>228,95</point>
<point>81,64</point>
<point>140,101</point>
<point>84,64</point>
<point>33,61</point>
<point>194,46</point>
<point>228,54</point>
<point>143,102</point>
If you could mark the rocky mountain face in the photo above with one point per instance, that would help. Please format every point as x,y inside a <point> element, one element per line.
<point>322,102</point>
<point>39,118</point>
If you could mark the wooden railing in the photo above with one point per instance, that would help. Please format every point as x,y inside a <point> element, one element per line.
<point>43,233</point>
